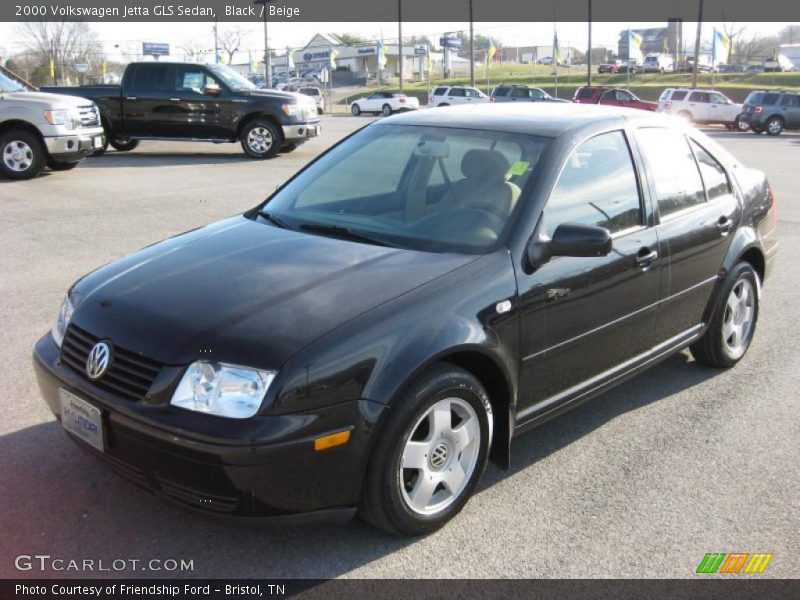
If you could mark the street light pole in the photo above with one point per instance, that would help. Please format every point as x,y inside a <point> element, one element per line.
<point>471,49</point>
<point>267,57</point>
<point>697,45</point>
<point>400,40</point>
<point>589,53</point>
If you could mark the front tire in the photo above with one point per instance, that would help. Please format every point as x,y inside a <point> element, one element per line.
<point>733,321</point>
<point>122,144</point>
<point>430,454</point>
<point>260,139</point>
<point>58,165</point>
<point>22,154</point>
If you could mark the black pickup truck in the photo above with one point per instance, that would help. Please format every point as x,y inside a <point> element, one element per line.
<point>190,101</point>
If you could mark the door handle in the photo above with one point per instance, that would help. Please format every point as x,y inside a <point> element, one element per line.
<point>724,224</point>
<point>645,257</point>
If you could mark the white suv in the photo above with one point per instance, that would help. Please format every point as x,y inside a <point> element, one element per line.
<point>699,106</point>
<point>457,94</point>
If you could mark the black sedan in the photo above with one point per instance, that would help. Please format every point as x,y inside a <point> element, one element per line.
<point>388,320</point>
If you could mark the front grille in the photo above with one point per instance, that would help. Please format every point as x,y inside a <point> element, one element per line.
<point>129,375</point>
<point>90,117</point>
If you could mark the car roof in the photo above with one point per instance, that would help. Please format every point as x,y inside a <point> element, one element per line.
<point>533,118</point>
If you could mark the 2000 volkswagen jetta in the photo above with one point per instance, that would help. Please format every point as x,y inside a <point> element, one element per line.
<point>387,321</point>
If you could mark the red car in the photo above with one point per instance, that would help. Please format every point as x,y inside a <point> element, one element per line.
<point>611,97</point>
<point>608,68</point>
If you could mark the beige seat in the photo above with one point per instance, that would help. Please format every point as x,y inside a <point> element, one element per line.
<point>484,183</point>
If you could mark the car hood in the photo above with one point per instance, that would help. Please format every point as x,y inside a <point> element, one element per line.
<point>46,100</point>
<point>244,292</point>
<point>278,94</point>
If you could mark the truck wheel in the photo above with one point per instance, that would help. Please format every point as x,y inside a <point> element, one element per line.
<point>122,144</point>
<point>260,139</point>
<point>774,126</point>
<point>386,110</point>
<point>58,165</point>
<point>22,154</point>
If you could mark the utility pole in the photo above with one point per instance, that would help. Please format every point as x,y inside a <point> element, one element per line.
<point>216,44</point>
<point>400,40</point>
<point>267,58</point>
<point>471,49</point>
<point>589,53</point>
<point>697,44</point>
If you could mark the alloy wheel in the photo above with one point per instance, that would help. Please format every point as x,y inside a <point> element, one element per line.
<point>259,140</point>
<point>18,156</point>
<point>439,456</point>
<point>737,322</point>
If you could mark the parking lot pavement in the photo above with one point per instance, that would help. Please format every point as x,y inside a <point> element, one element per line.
<point>641,482</point>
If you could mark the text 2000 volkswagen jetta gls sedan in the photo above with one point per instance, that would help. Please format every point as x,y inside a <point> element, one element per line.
<point>393,315</point>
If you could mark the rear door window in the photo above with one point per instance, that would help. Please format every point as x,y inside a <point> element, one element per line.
<point>714,177</point>
<point>699,97</point>
<point>674,174</point>
<point>151,78</point>
<point>790,100</point>
<point>519,93</point>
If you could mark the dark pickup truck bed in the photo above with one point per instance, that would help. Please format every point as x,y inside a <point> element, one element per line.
<point>189,101</point>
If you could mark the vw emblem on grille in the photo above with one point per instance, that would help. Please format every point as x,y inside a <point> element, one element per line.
<point>439,456</point>
<point>98,360</point>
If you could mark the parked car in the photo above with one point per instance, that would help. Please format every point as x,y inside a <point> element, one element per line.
<point>658,63</point>
<point>390,318</point>
<point>778,64</point>
<point>521,93</point>
<point>545,60</point>
<point>771,112</point>
<point>316,95</point>
<point>632,66</point>
<point>203,103</point>
<point>611,97</point>
<point>38,129</point>
<point>700,106</point>
<point>384,103</point>
<point>295,82</point>
<point>447,95</point>
<point>608,68</point>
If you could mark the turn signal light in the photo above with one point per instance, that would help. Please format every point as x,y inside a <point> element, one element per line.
<point>331,440</point>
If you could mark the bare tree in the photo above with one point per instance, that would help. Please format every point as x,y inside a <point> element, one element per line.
<point>789,34</point>
<point>231,40</point>
<point>754,47</point>
<point>192,50</point>
<point>62,44</point>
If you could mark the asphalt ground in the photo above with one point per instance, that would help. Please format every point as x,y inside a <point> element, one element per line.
<point>641,482</point>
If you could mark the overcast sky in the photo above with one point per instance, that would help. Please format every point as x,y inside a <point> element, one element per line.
<point>296,35</point>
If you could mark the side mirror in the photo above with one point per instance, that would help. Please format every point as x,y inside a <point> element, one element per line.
<point>212,89</point>
<point>570,239</point>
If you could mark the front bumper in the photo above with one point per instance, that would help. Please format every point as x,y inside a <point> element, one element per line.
<point>277,474</point>
<point>301,132</point>
<point>74,146</point>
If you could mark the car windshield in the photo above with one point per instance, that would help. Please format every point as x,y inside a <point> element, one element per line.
<point>8,84</point>
<point>436,189</point>
<point>233,79</point>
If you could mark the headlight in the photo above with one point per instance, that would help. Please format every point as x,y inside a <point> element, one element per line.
<point>62,320</point>
<point>222,390</point>
<point>62,116</point>
<point>292,110</point>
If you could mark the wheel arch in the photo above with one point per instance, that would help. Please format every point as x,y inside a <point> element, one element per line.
<point>260,114</point>
<point>20,124</point>
<point>744,247</point>
<point>495,379</point>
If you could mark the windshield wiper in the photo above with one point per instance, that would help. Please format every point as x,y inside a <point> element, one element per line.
<point>272,219</point>
<point>345,233</point>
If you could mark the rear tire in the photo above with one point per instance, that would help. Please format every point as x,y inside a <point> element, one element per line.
<point>733,321</point>
<point>424,468</point>
<point>122,144</point>
<point>22,154</point>
<point>260,139</point>
<point>774,126</point>
<point>386,110</point>
<point>355,109</point>
<point>57,165</point>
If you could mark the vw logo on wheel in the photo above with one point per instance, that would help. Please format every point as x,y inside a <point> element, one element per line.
<point>439,456</point>
<point>98,360</point>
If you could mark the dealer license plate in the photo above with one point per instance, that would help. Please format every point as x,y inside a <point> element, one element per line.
<point>81,419</point>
